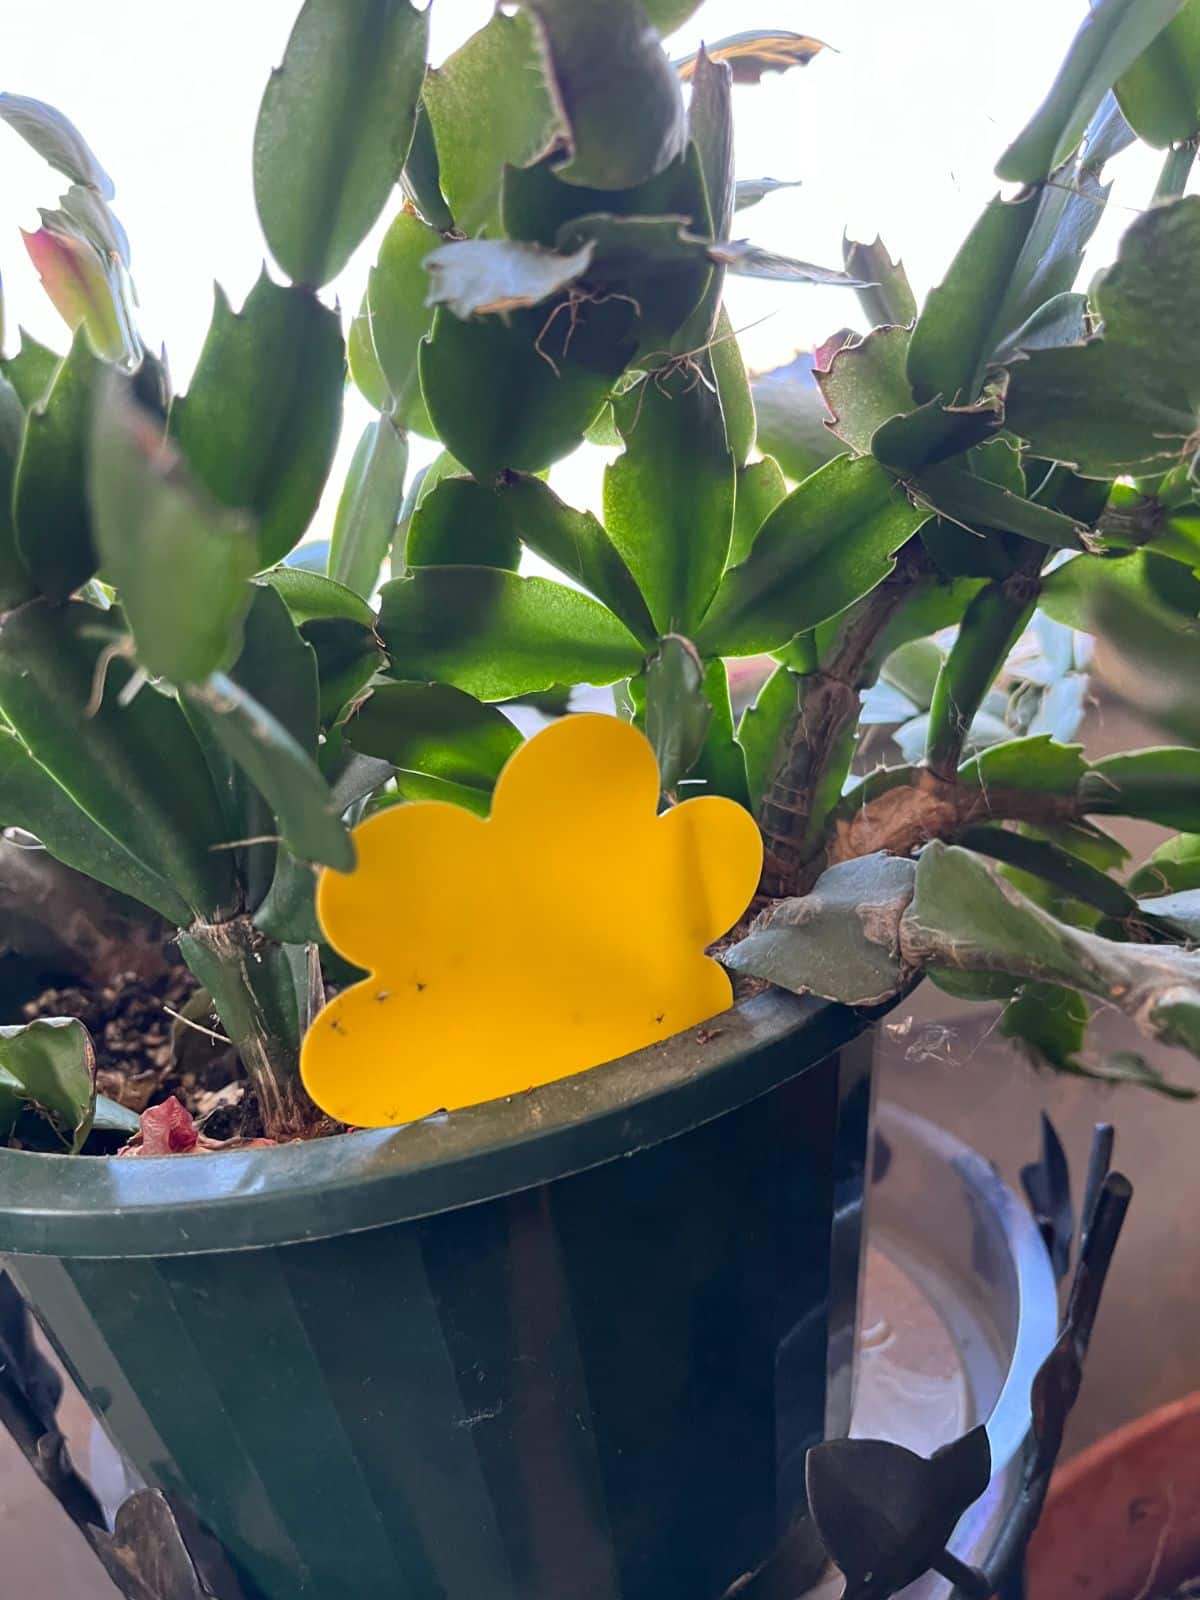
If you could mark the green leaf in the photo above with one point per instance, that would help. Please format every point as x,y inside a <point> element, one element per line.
<point>400,313</point>
<point>617,94</point>
<point>668,500</point>
<point>363,360</point>
<point>259,424</point>
<point>914,668</point>
<point>551,395</point>
<point>489,107</point>
<point>976,503</point>
<point>135,769</point>
<point>476,276</point>
<point>1160,94</point>
<point>733,386</point>
<point>765,729</point>
<point>31,799</point>
<point>369,507</point>
<point>760,488</point>
<point>866,385</point>
<point>1049,1022</point>
<point>886,295</point>
<point>575,543</point>
<point>721,766</point>
<point>465,524</point>
<point>1171,869</point>
<point>1124,402</point>
<point>1020,255</point>
<point>180,560</point>
<point>678,713</point>
<point>53,523</point>
<point>88,288</point>
<point>422,178</point>
<point>1127,1066</point>
<point>1158,785</point>
<point>710,130</point>
<point>112,1117</point>
<point>1109,41</point>
<point>334,130</point>
<point>434,730</point>
<point>751,54</point>
<point>311,595</point>
<point>793,417</point>
<point>1034,763</point>
<point>1041,858</point>
<point>31,371</point>
<point>499,636</point>
<point>49,1067</point>
<point>57,140</point>
<point>348,657</point>
<point>285,775</point>
<point>667,15</point>
<point>829,543</point>
<point>840,941</point>
<point>15,582</point>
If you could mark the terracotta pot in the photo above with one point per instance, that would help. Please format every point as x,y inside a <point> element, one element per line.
<point>1123,1519</point>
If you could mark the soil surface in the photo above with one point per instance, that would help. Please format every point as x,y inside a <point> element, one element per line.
<point>155,1038</point>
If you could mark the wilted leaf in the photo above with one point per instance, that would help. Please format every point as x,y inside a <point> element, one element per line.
<point>760,50</point>
<point>57,140</point>
<point>617,96</point>
<point>335,128</point>
<point>1110,39</point>
<point>476,276</point>
<point>749,191</point>
<point>840,941</point>
<point>259,424</point>
<point>829,543</point>
<point>499,636</point>
<point>48,1068</point>
<point>751,261</point>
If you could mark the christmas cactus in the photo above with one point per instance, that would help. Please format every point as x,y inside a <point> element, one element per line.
<point>902,540</point>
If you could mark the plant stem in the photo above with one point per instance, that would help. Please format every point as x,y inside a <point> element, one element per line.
<point>1177,169</point>
<point>266,995</point>
<point>994,621</point>
<point>817,745</point>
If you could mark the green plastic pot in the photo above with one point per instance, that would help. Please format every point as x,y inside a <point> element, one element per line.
<point>567,1346</point>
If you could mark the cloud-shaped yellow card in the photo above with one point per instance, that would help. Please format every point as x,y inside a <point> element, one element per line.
<point>566,929</point>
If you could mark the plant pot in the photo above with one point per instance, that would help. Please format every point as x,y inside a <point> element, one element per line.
<point>574,1343</point>
<point>1123,1519</point>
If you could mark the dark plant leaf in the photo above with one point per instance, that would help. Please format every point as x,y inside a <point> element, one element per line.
<point>669,499</point>
<point>1123,401</point>
<point>499,636</point>
<point>1043,858</point>
<point>760,50</point>
<point>829,543</point>
<point>57,140</point>
<point>617,96</point>
<point>50,500</point>
<point>134,768</point>
<point>334,130</point>
<point>463,523</point>
<point>48,1068</point>
<point>180,560</point>
<point>678,713</point>
<point>369,507</point>
<point>976,503</point>
<point>476,276</point>
<point>260,422</point>
<point>422,177</point>
<point>1047,1185</point>
<point>434,730</point>
<point>1110,39</point>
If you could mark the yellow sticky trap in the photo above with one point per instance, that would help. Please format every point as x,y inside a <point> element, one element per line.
<point>564,930</point>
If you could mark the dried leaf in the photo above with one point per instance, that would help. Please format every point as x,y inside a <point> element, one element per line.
<point>758,51</point>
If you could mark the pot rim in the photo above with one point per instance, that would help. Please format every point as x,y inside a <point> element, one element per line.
<point>109,1206</point>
